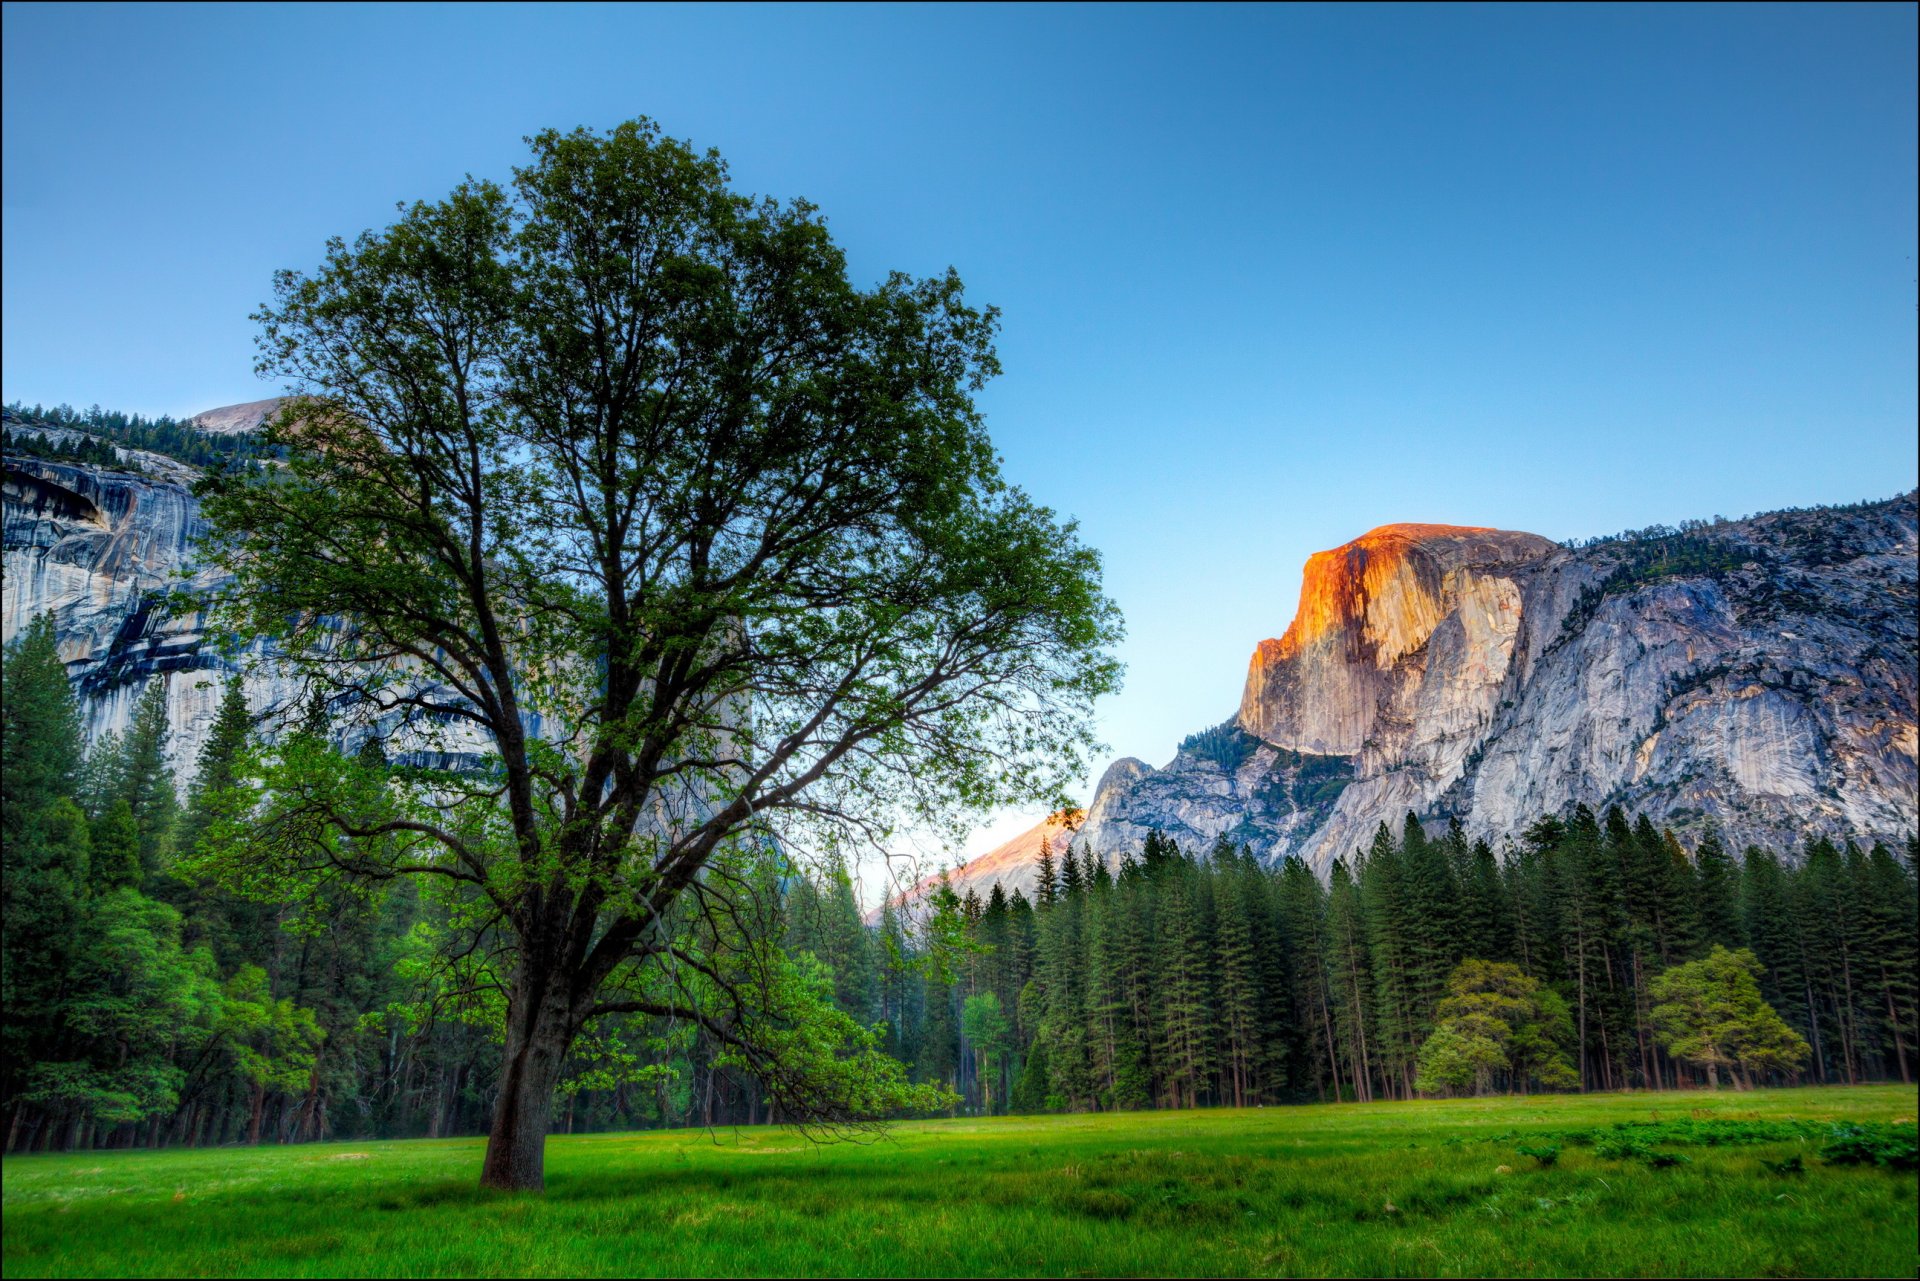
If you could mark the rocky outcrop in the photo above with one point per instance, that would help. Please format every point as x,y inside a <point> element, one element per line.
<point>1755,676</point>
<point>1758,676</point>
<point>109,553</point>
<point>101,549</point>
<point>1367,607</point>
<point>1013,865</point>
<point>236,420</point>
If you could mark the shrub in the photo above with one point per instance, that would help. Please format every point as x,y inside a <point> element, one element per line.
<point>1883,1146</point>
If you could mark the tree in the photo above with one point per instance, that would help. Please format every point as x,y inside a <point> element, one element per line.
<point>1494,1019</point>
<point>1718,887</point>
<point>136,774</point>
<point>706,546</point>
<point>984,1025</point>
<point>1710,1013</point>
<point>272,1043</point>
<point>44,846</point>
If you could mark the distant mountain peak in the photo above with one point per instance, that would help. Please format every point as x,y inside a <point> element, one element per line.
<point>234,420</point>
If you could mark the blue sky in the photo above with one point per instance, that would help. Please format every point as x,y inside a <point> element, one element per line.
<point>1270,277</point>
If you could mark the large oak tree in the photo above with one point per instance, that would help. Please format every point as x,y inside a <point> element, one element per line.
<point>614,473</point>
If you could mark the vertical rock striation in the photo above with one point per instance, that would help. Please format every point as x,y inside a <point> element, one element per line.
<point>104,550</point>
<point>1754,676</point>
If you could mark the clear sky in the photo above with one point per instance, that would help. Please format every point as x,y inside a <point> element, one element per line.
<point>1270,277</point>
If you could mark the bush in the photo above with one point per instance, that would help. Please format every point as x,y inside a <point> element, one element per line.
<point>1879,1145</point>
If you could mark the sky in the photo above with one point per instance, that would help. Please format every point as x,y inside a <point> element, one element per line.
<point>1270,276</point>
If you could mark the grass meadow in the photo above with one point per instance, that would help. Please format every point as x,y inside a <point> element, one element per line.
<point>1691,1184</point>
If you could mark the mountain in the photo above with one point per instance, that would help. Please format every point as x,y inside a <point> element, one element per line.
<point>1014,865</point>
<point>101,547</point>
<point>1756,676</point>
<point>232,420</point>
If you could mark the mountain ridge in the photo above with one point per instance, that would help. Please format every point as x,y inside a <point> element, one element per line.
<point>1756,677</point>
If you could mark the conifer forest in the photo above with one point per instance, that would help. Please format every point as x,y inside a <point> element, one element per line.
<point>148,1004</point>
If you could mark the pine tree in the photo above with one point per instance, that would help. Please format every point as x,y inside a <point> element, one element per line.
<point>219,757</point>
<point>1186,1049</point>
<point>1433,900</point>
<point>1891,922</point>
<point>1827,922</point>
<point>1350,971</point>
<point>1063,986</point>
<point>1129,985</point>
<point>1767,902</point>
<point>1486,918</point>
<point>1390,942</point>
<point>236,929</point>
<point>41,749</point>
<point>1236,990</point>
<point>1717,890</point>
<point>1302,926</point>
<point>133,769</point>
<point>1046,888</point>
<point>44,848</point>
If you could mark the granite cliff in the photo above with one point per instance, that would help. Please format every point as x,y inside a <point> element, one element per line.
<point>1754,676</point>
<point>1757,676</point>
<point>103,548</point>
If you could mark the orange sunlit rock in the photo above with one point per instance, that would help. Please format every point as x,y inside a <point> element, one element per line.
<point>1364,608</point>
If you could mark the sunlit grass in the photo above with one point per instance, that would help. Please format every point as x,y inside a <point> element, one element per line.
<point>1415,1188</point>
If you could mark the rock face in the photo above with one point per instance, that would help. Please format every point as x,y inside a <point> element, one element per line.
<point>1756,676</point>
<point>102,548</point>
<point>235,420</point>
<point>1014,865</point>
<point>1366,607</point>
<point>99,548</point>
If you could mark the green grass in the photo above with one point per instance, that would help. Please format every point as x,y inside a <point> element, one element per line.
<point>1416,1188</point>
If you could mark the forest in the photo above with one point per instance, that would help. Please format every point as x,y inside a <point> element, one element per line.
<point>150,1004</point>
<point>163,435</point>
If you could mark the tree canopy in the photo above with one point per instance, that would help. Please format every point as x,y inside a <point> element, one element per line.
<point>1710,1012</point>
<point>614,473</point>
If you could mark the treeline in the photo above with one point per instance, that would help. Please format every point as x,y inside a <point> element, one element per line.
<point>173,437</point>
<point>88,451</point>
<point>1182,980</point>
<point>1696,526</point>
<point>146,1003</point>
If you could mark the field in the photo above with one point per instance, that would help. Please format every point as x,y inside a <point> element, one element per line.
<point>1699,1184</point>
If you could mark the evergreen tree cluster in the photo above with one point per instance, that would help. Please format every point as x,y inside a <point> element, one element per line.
<point>88,451</point>
<point>1181,981</point>
<point>173,437</point>
<point>147,1002</point>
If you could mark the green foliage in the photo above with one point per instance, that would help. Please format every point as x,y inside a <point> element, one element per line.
<point>823,1067</point>
<point>169,436</point>
<point>1639,558</point>
<point>1887,1146</point>
<point>1710,1012</point>
<point>87,451</point>
<point>1496,1019</point>
<point>816,613</point>
<point>1225,744</point>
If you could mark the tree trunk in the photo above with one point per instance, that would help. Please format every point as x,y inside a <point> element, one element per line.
<point>537,1041</point>
<point>1893,1021</point>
